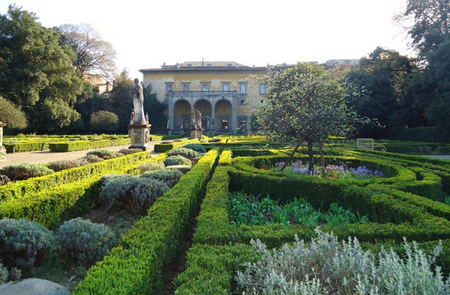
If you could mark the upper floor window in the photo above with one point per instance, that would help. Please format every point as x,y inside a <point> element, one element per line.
<point>185,86</point>
<point>243,88</point>
<point>169,87</point>
<point>262,88</point>
<point>225,87</point>
<point>205,87</point>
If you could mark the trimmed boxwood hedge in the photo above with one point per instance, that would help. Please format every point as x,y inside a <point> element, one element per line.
<point>135,267</point>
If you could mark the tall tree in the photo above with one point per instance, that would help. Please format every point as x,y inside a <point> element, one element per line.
<point>121,100</point>
<point>12,115</point>
<point>431,24</point>
<point>94,56</point>
<point>155,109</point>
<point>36,72</point>
<point>385,74</point>
<point>304,104</point>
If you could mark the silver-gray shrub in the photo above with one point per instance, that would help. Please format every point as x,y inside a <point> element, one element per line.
<point>103,153</point>
<point>150,166</point>
<point>4,274</point>
<point>24,243</point>
<point>327,266</point>
<point>67,164</point>
<point>25,171</point>
<point>84,241</point>
<point>169,177</point>
<point>130,192</point>
<point>187,153</point>
<point>177,160</point>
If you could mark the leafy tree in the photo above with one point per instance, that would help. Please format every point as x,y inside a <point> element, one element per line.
<point>155,109</point>
<point>36,72</point>
<point>431,24</point>
<point>94,56</point>
<point>304,104</point>
<point>386,75</point>
<point>12,115</point>
<point>121,100</point>
<point>439,70</point>
<point>104,122</point>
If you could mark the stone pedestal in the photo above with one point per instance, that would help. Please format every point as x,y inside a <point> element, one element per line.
<point>140,135</point>
<point>196,133</point>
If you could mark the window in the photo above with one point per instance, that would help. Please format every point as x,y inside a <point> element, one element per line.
<point>243,88</point>
<point>224,124</point>
<point>226,87</point>
<point>262,88</point>
<point>205,87</point>
<point>169,87</point>
<point>185,86</point>
<point>189,65</point>
<point>242,102</point>
<point>209,65</point>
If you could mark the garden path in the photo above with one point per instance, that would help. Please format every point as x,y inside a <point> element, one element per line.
<point>40,157</point>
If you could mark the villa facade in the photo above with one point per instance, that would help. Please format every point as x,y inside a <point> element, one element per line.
<point>224,92</point>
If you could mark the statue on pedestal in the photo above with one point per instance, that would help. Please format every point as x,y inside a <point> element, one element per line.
<point>138,103</point>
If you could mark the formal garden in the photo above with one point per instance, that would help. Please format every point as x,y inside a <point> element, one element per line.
<point>129,224</point>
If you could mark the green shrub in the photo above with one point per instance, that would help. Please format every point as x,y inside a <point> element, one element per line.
<point>130,192</point>
<point>85,241</point>
<point>169,177</point>
<point>103,153</point>
<point>327,266</point>
<point>187,153</point>
<point>104,121</point>
<point>177,160</point>
<point>200,148</point>
<point>150,166</point>
<point>4,274</point>
<point>23,243</point>
<point>24,171</point>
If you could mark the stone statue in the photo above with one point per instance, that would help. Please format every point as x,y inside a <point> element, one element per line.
<point>196,118</point>
<point>138,103</point>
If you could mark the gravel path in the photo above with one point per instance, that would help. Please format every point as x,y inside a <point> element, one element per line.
<point>39,157</point>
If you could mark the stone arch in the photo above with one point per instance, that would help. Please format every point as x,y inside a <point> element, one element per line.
<point>223,116</point>
<point>205,108</point>
<point>182,115</point>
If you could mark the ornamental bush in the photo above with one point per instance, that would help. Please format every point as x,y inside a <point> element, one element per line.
<point>130,192</point>
<point>200,148</point>
<point>67,164</point>
<point>327,266</point>
<point>150,166</point>
<point>4,179</point>
<point>187,153</point>
<point>85,241</point>
<point>23,243</point>
<point>4,274</point>
<point>129,151</point>
<point>103,153</point>
<point>24,171</point>
<point>169,177</point>
<point>177,160</point>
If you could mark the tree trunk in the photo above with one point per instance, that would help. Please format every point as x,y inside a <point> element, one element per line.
<point>292,154</point>
<point>322,159</point>
<point>311,157</point>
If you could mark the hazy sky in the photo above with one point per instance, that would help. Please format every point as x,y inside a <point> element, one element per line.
<point>148,33</point>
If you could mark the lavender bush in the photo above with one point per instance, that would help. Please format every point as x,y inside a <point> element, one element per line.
<point>327,266</point>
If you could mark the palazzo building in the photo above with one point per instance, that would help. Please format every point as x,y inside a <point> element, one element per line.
<point>224,92</point>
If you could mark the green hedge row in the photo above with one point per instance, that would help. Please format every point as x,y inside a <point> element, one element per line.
<point>81,145</point>
<point>155,137</point>
<point>51,206</point>
<point>169,145</point>
<point>135,267</point>
<point>23,188</point>
<point>25,147</point>
<point>211,269</point>
<point>393,213</point>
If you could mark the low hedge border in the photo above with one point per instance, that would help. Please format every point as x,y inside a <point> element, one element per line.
<point>53,205</point>
<point>25,147</point>
<point>211,269</point>
<point>398,213</point>
<point>81,145</point>
<point>135,267</point>
<point>23,188</point>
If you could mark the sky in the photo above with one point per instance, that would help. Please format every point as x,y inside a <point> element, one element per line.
<point>149,33</point>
